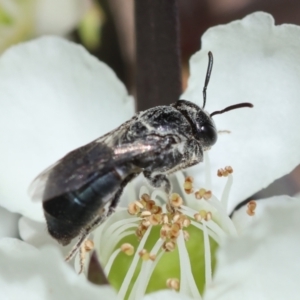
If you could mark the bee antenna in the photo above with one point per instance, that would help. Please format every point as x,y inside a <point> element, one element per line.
<point>231,107</point>
<point>207,77</point>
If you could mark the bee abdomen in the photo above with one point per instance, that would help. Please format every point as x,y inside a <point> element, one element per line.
<point>67,214</point>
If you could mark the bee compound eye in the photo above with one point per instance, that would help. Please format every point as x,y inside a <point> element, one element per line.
<point>209,133</point>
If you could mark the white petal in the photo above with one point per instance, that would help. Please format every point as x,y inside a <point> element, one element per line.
<point>58,17</point>
<point>54,97</point>
<point>264,263</point>
<point>36,234</point>
<point>254,61</point>
<point>166,295</point>
<point>8,223</point>
<point>25,270</point>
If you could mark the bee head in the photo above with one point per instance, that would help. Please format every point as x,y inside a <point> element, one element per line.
<point>203,126</point>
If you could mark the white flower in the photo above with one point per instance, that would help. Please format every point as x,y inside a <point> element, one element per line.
<point>68,99</point>
<point>59,98</point>
<point>27,272</point>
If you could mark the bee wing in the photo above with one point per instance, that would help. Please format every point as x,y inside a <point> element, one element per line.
<point>72,171</point>
<point>82,165</point>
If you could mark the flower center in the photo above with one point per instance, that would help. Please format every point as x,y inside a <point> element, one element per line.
<point>161,242</point>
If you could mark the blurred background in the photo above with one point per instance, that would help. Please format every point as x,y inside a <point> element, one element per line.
<point>106,29</point>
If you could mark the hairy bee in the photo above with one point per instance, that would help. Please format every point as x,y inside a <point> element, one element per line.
<point>155,142</point>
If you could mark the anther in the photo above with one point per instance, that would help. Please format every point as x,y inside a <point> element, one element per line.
<point>155,219</point>
<point>165,219</point>
<point>199,194</point>
<point>207,195</point>
<point>188,185</point>
<point>144,254</point>
<point>145,213</point>
<point>225,172</point>
<point>208,216</point>
<point>156,209</point>
<point>229,169</point>
<point>174,232</point>
<point>152,257</point>
<point>145,197</point>
<point>139,204</point>
<point>173,283</point>
<point>198,217</point>
<point>133,208</point>
<point>251,206</point>
<point>220,172</point>
<point>127,248</point>
<point>169,246</point>
<point>88,245</point>
<point>176,217</point>
<point>150,204</point>
<point>146,223</point>
<point>175,200</point>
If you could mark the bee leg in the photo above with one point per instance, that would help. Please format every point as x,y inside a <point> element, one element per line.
<point>158,181</point>
<point>115,201</point>
<point>99,219</point>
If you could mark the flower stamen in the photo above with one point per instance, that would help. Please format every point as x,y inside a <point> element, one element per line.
<point>188,185</point>
<point>173,283</point>
<point>127,248</point>
<point>251,206</point>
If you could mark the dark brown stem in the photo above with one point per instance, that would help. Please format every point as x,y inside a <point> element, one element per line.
<point>158,75</point>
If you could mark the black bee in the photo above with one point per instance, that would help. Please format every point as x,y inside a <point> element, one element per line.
<point>155,142</point>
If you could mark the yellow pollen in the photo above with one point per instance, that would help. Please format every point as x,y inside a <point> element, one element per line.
<point>188,185</point>
<point>202,213</point>
<point>176,200</point>
<point>199,194</point>
<point>127,248</point>
<point>173,283</point>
